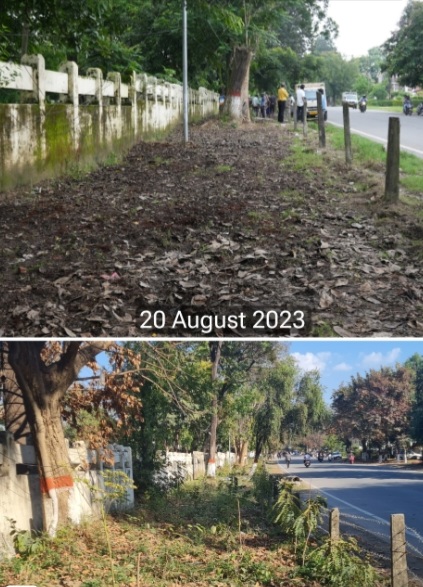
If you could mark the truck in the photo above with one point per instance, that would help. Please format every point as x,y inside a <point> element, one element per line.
<point>350,98</point>
<point>310,90</point>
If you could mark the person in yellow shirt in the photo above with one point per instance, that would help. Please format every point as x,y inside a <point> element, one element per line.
<point>282,98</point>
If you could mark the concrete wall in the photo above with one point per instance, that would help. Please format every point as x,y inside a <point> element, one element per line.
<point>20,491</point>
<point>72,121</point>
<point>179,467</point>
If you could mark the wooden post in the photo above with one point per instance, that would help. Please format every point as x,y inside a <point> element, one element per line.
<point>392,161</point>
<point>334,524</point>
<point>347,133</point>
<point>399,574</point>
<point>295,115</point>
<point>321,120</point>
<point>305,118</point>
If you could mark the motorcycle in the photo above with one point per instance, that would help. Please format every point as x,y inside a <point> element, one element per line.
<point>408,108</point>
<point>420,109</point>
<point>307,462</point>
<point>363,106</point>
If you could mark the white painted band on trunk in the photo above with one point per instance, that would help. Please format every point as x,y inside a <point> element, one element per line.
<point>54,522</point>
<point>211,469</point>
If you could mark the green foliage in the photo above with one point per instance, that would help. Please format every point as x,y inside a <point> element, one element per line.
<point>340,75</point>
<point>339,564</point>
<point>375,406</point>
<point>26,543</point>
<point>402,49</point>
<point>296,519</point>
<point>263,488</point>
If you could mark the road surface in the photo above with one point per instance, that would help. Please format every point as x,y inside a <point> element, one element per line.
<point>367,495</point>
<point>373,124</point>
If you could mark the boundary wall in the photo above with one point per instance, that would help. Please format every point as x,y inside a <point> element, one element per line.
<point>20,489</point>
<point>65,121</point>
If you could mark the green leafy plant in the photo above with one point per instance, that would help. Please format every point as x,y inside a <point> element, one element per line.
<point>297,520</point>
<point>338,564</point>
<point>25,542</point>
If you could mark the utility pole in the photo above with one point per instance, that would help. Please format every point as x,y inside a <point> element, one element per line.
<point>185,67</point>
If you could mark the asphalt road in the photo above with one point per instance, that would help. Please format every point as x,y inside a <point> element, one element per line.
<point>367,495</point>
<point>373,124</point>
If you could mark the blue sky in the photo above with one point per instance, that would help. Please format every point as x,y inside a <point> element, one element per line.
<point>338,360</point>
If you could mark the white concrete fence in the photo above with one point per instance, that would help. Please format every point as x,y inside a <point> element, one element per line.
<point>179,466</point>
<point>20,488</point>
<point>68,118</point>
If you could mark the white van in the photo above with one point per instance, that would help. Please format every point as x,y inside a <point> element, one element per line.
<point>350,98</point>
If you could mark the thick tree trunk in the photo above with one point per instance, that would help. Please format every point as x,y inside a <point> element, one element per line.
<point>215,350</point>
<point>237,95</point>
<point>43,386</point>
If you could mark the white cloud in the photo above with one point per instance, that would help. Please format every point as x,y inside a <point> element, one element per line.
<point>342,367</point>
<point>311,361</point>
<point>375,360</point>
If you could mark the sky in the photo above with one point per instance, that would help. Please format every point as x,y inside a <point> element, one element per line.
<point>339,360</point>
<point>364,24</point>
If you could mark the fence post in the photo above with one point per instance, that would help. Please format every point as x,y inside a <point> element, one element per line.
<point>347,133</point>
<point>38,65</point>
<point>97,74</point>
<point>321,120</point>
<point>295,114</point>
<point>115,77</point>
<point>71,68</point>
<point>399,575</point>
<point>305,118</point>
<point>334,524</point>
<point>392,161</point>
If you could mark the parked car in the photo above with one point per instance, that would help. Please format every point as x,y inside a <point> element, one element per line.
<point>335,456</point>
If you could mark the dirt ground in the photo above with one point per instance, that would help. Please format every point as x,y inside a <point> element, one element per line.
<point>198,239</point>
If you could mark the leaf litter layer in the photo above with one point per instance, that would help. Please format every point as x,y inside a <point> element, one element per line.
<point>205,534</point>
<point>239,219</point>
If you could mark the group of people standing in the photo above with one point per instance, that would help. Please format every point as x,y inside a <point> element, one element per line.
<point>266,104</point>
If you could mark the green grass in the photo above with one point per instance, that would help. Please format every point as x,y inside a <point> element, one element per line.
<point>373,156</point>
<point>206,533</point>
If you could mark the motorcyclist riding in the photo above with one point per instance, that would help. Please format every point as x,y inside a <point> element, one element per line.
<point>307,459</point>
<point>362,104</point>
<point>407,105</point>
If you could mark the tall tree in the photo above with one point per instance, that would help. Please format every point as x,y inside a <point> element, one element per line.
<point>403,48</point>
<point>47,377</point>
<point>375,407</point>
<point>415,364</point>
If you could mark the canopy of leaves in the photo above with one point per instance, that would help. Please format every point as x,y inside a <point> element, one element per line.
<point>374,407</point>
<point>403,48</point>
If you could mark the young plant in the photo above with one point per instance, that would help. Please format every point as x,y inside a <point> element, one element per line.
<point>294,519</point>
<point>337,563</point>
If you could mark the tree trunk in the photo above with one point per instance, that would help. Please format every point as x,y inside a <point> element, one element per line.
<point>215,350</point>
<point>42,406</point>
<point>243,453</point>
<point>43,385</point>
<point>237,96</point>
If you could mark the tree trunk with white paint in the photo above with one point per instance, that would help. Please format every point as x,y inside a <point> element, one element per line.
<point>43,386</point>
<point>237,95</point>
<point>215,350</point>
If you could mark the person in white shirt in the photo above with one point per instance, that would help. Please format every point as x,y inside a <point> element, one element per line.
<point>300,102</point>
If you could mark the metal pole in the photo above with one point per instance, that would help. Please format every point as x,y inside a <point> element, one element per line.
<point>185,67</point>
